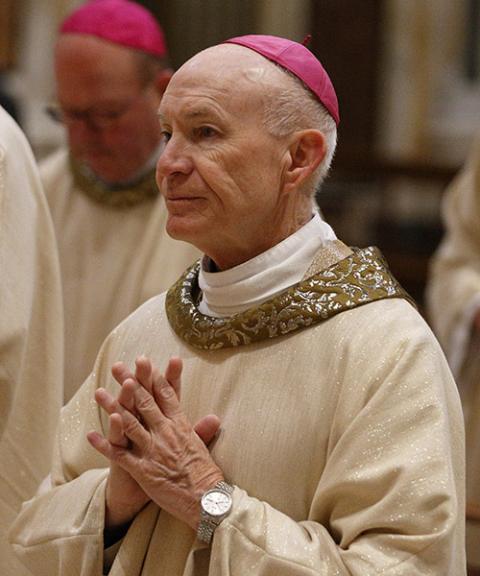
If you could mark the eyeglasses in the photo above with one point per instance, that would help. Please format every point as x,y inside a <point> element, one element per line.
<point>95,119</point>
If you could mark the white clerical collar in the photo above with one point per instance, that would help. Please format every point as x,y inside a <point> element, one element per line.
<point>249,284</point>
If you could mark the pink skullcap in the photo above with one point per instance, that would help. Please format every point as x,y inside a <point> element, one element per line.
<point>119,21</point>
<point>299,61</point>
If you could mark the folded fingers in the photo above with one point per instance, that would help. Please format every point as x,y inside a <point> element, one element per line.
<point>143,372</point>
<point>173,373</point>
<point>120,371</point>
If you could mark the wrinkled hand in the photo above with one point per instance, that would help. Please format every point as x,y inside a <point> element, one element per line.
<point>153,449</point>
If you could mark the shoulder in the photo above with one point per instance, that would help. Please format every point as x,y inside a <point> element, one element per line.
<point>385,337</point>
<point>152,309</point>
<point>382,315</point>
<point>384,355</point>
<point>393,325</point>
<point>138,331</point>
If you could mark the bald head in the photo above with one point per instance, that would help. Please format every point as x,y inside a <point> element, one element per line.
<point>230,66</point>
<point>285,103</point>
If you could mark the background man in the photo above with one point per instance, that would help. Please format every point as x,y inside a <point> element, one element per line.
<point>31,333</point>
<point>111,70</point>
<point>341,448</point>
<point>453,298</point>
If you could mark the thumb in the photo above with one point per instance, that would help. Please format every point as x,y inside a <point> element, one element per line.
<point>207,428</point>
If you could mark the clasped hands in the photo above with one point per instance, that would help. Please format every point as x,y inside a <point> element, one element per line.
<point>154,451</point>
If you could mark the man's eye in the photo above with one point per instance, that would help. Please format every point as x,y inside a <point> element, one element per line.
<point>166,135</point>
<point>206,132</point>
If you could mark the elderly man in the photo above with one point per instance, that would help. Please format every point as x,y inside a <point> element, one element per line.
<point>111,71</point>
<point>341,445</point>
<point>31,333</point>
<point>453,298</point>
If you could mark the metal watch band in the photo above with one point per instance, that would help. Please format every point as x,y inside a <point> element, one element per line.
<point>206,528</point>
<point>208,524</point>
<point>223,486</point>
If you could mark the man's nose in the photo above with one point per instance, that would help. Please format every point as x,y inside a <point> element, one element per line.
<point>82,132</point>
<point>174,159</point>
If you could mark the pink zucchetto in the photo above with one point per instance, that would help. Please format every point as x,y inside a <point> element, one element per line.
<point>119,21</point>
<point>297,59</point>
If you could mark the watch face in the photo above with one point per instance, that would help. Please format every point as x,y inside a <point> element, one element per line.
<point>216,503</point>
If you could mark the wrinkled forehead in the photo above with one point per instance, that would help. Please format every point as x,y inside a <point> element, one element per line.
<point>227,73</point>
<point>228,60</point>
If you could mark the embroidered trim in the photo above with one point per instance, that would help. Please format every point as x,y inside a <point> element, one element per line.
<point>353,281</point>
<point>330,253</point>
<point>116,197</point>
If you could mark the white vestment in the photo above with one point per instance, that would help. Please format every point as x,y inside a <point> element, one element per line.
<point>343,439</point>
<point>31,332</point>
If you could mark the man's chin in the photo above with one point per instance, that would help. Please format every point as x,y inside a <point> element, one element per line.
<point>181,228</point>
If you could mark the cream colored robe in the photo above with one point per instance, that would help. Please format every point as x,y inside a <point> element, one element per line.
<point>112,260</point>
<point>453,296</point>
<point>31,333</point>
<point>344,442</point>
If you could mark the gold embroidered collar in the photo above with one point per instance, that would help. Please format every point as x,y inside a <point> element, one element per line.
<point>358,279</point>
<point>114,196</point>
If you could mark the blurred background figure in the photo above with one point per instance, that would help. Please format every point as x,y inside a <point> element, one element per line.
<point>31,333</point>
<point>111,70</point>
<point>453,299</point>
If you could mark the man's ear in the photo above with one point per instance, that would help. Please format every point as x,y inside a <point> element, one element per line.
<point>162,79</point>
<point>307,150</point>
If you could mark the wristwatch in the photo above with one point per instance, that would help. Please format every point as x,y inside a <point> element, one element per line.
<point>215,506</point>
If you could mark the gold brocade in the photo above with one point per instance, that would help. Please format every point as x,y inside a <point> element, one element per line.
<point>358,279</point>
<point>116,197</point>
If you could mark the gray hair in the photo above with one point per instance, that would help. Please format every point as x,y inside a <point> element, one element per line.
<point>293,107</point>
